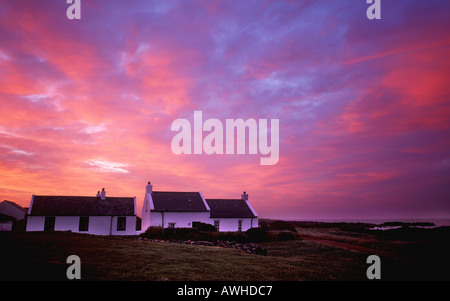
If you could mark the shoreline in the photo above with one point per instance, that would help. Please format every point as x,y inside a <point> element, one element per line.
<point>438,222</point>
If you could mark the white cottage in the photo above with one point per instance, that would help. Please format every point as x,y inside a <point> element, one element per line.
<point>232,214</point>
<point>98,215</point>
<point>9,213</point>
<point>13,210</point>
<point>170,209</point>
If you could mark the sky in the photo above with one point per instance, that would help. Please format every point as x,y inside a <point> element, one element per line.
<point>363,105</point>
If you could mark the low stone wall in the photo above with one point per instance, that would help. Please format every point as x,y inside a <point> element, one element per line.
<point>250,248</point>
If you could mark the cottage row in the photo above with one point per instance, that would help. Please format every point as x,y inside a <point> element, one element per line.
<point>104,215</point>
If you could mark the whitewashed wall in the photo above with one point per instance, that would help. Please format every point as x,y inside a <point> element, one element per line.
<point>98,225</point>
<point>185,220</point>
<point>181,219</point>
<point>231,224</point>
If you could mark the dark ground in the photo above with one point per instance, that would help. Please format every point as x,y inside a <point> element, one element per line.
<point>317,252</point>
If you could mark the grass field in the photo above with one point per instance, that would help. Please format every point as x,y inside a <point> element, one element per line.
<point>322,254</point>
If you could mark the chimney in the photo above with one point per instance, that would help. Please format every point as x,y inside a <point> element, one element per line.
<point>103,194</point>
<point>244,196</point>
<point>148,188</point>
<point>98,194</point>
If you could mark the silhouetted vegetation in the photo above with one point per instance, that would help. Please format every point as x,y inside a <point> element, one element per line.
<point>256,234</point>
<point>403,224</point>
<point>206,232</point>
<point>285,236</point>
<point>282,225</point>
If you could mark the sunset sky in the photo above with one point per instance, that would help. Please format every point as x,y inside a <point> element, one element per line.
<point>363,105</point>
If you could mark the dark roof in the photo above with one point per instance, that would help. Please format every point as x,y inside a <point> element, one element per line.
<point>82,206</point>
<point>223,208</point>
<point>178,201</point>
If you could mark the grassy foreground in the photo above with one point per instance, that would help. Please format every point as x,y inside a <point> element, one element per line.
<point>39,256</point>
<point>323,254</point>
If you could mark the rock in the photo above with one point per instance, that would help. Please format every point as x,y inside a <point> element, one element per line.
<point>260,251</point>
<point>250,248</point>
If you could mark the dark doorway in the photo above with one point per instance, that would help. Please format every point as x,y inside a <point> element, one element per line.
<point>49,224</point>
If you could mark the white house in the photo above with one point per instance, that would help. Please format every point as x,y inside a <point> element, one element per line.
<point>12,209</point>
<point>98,215</point>
<point>10,212</point>
<point>232,214</point>
<point>170,209</point>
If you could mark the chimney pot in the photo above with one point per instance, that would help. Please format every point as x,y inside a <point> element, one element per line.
<point>149,188</point>
<point>103,194</point>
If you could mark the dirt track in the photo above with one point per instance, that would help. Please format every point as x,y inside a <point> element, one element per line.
<point>348,246</point>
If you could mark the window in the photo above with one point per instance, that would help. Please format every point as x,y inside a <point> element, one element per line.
<point>217,225</point>
<point>49,223</point>
<point>171,225</point>
<point>121,223</point>
<point>84,223</point>
<point>239,225</point>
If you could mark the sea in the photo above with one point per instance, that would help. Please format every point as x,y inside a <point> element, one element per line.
<point>439,222</point>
